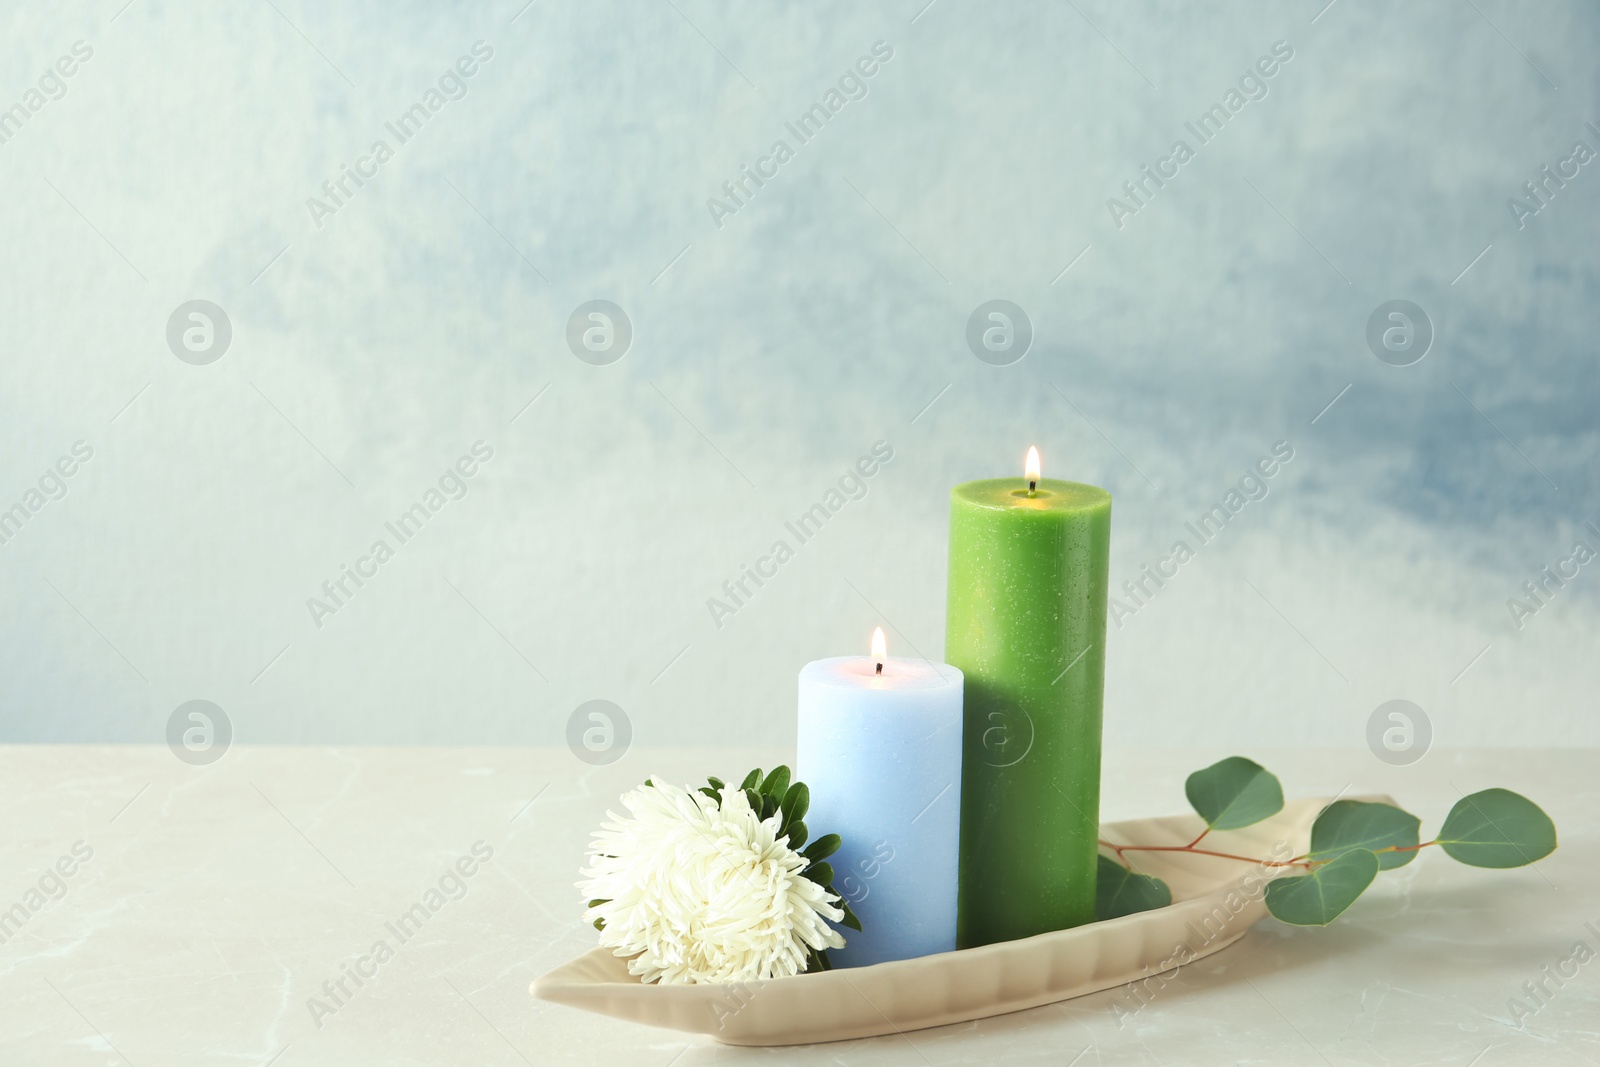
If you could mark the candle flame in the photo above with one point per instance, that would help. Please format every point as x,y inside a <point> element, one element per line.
<point>1031,468</point>
<point>880,647</point>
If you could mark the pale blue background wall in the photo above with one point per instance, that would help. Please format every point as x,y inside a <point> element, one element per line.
<point>769,352</point>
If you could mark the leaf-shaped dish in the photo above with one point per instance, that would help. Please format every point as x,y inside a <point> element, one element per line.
<point>1214,901</point>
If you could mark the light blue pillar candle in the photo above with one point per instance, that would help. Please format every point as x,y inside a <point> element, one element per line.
<point>881,754</point>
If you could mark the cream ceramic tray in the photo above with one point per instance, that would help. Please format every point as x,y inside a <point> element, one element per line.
<point>1211,908</point>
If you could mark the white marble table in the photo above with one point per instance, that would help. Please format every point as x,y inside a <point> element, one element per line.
<point>216,901</point>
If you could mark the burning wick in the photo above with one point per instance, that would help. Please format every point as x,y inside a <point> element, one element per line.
<point>1031,469</point>
<point>879,648</point>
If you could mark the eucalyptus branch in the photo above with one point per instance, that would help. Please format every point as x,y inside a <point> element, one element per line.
<point>1351,841</point>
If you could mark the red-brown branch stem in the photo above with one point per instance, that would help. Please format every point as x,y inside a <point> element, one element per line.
<point>1120,849</point>
<point>1297,861</point>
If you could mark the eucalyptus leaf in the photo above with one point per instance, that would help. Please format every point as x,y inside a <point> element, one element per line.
<point>822,847</point>
<point>1316,899</point>
<point>1234,792</point>
<point>1347,824</point>
<point>1120,891</point>
<point>1497,828</point>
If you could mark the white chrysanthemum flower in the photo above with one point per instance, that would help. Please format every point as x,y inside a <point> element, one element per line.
<point>695,891</point>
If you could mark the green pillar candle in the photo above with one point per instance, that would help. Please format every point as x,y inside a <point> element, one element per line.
<point>1026,624</point>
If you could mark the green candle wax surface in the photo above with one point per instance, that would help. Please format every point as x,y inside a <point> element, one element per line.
<point>1026,624</point>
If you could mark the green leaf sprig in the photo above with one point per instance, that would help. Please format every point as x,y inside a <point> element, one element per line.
<point>1351,842</point>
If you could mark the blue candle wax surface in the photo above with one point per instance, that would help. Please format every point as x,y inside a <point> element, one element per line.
<point>881,755</point>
